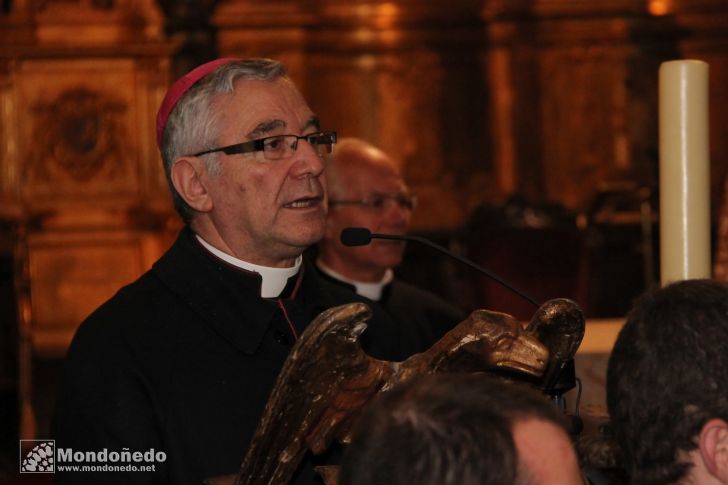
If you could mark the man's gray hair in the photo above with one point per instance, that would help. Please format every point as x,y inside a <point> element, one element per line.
<point>192,126</point>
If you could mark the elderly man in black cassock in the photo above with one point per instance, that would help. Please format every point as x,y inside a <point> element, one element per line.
<point>182,360</point>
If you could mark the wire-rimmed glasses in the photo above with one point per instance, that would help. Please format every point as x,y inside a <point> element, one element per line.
<point>380,202</point>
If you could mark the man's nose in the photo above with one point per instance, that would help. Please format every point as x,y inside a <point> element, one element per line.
<point>397,213</point>
<point>307,162</point>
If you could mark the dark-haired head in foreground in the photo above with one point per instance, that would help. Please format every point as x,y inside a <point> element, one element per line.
<point>460,429</point>
<point>667,385</point>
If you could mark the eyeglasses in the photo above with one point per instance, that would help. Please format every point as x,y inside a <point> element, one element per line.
<point>279,146</point>
<point>381,202</point>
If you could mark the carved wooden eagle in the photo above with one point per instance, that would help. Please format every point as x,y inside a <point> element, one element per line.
<point>327,378</point>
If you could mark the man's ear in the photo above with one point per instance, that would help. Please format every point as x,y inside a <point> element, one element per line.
<point>187,177</point>
<point>713,444</point>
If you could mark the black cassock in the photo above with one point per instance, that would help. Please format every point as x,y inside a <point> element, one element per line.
<point>182,361</point>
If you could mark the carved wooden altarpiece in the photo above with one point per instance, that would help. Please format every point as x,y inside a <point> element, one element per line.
<point>80,176</point>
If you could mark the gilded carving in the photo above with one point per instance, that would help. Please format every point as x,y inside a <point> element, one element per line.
<point>78,134</point>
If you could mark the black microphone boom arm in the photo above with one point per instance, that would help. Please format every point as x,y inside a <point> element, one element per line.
<point>360,236</point>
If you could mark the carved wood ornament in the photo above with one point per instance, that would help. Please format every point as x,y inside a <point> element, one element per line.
<point>78,133</point>
<point>327,379</point>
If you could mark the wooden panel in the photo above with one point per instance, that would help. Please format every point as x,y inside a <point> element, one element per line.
<point>72,274</point>
<point>9,126</point>
<point>583,135</point>
<point>716,55</point>
<point>548,99</point>
<point>260,28</point>
<point>402,108</point>
<point>80,177</point>
<point>79,131</point>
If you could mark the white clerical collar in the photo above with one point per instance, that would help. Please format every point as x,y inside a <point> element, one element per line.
<point>373,291</point>
<point>274,280</point>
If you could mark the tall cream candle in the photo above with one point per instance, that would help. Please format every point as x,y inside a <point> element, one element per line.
<point>684,171</point>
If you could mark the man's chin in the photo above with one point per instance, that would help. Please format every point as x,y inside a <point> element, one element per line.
<point>306,237</point>
<point>389,260</point>
<point>306,227</point>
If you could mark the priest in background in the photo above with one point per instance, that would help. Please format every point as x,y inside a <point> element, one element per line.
<point>366,189</point>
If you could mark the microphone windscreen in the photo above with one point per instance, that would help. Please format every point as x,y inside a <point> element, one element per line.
<point>356,236</point>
